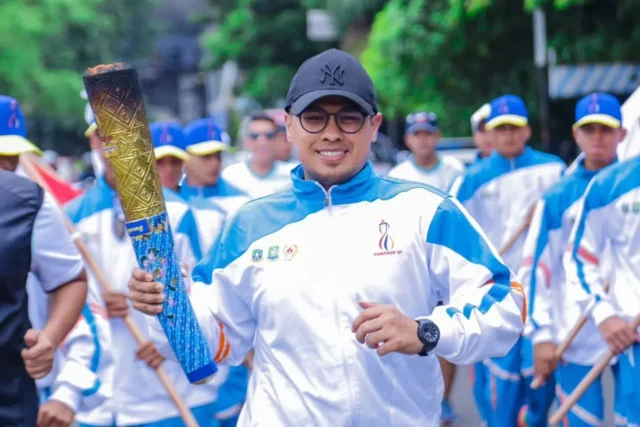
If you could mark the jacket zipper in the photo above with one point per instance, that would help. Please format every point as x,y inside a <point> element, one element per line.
<point>327,195</point>
<point>354,411</point>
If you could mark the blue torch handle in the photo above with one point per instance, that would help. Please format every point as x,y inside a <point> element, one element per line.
<point>153,245</point>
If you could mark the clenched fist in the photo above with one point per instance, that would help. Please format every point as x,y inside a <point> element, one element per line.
<point>38,356</point>
<point>386,329</point>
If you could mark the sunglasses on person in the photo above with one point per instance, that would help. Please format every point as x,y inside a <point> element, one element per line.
<point>267,135</point>
<point>349,120</point>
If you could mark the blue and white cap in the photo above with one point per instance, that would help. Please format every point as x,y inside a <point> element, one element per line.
<point>599,108</point>
<point>203,137</point>
<point>168,140</point>
<point>507,110</point>
<point>13,129</point>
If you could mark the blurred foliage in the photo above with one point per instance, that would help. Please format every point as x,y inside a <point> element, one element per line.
<point>45,46</point>
<point>267,38</point>
<point>451,56</point>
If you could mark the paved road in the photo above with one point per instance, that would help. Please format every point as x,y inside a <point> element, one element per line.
<point>465,408</point>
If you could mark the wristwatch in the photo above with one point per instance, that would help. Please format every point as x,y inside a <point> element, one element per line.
<point>429,335</point>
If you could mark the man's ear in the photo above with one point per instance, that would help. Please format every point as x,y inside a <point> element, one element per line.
<point>288,122</point>
<point>623,134</point>
<point>376,121</point>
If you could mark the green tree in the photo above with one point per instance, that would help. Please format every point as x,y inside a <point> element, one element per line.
<point>47,44</point>
<point>267,38</point>
<point>451,56</point>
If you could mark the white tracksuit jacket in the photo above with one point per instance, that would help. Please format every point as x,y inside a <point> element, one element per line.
<point>138,396</point>
<point>500,193</point>
<point>241,176</point>
<point>440,176</point>
<point>83,366</point>
<point>289,276</point>
<point>553,309</point>
<point>610,214</point>
<point>210,218</point>
<point>223,195</point>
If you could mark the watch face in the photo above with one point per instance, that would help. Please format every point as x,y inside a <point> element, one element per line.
<point>430,332</point>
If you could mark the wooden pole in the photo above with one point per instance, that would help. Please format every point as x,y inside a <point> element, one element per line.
<point>183,409</point>
<point>538,381</point>
<point>586,382</point>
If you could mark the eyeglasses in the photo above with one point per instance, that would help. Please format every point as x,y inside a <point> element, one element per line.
<point>348,120</point>
<point>267,135</point>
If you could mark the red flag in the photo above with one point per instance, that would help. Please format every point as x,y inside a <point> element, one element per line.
<point>60,189</point>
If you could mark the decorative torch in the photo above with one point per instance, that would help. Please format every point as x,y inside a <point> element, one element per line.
<point>116,99</point>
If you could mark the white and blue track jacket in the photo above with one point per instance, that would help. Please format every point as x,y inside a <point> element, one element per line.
<point>222,194</point>
<point>210,218</point>
<point>180,213</point>
<point>83,366</point>
<point>441,176</point>
<point>553,310</point>
<point>288,278</point>
<point>610,215</point>
<point>138,396</point>
<point>500,193</point>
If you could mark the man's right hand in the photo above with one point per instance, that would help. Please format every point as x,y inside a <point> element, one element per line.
<point>544,359</point>
<point>618,334</point>
<point>116,304</point>
<point>145,294</point>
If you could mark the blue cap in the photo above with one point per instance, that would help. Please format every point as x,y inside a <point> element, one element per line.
<point>203,137</point>
<point>599,108</point>
<point>421,120</point>
<point>507,110</point>
<point>168,140</point>
<point>13,129</point>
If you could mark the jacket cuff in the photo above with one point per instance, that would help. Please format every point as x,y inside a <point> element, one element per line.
<point>602,311</point>
<point>447,344</point>
<point>541,335</point>
<point>67,395</point>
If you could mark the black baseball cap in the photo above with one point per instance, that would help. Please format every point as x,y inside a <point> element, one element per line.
<point>331,73</point>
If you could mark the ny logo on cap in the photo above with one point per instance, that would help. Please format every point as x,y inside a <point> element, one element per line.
<point>14,122</point>
<point>594,107</point>
<point>504,107</point>
<point>334,75</point>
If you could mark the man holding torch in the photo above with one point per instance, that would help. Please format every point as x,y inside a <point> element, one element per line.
<point>337,345</point>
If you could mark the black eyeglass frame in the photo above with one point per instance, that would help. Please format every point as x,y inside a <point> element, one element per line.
<point>364,114</point>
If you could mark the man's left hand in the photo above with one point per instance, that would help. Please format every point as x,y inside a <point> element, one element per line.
<point>385,328</point>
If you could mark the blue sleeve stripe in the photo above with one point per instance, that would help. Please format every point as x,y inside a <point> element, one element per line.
<point>95,358</point>
<point>452,229</point>
<point>541,244</point>
<point>576,247</point>
<point>497,293</point>
<point>189,227</point>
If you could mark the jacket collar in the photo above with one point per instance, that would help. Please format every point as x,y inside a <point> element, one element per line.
<point>357,189</point>
<point>581,172</point>
<point>525,159</point>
